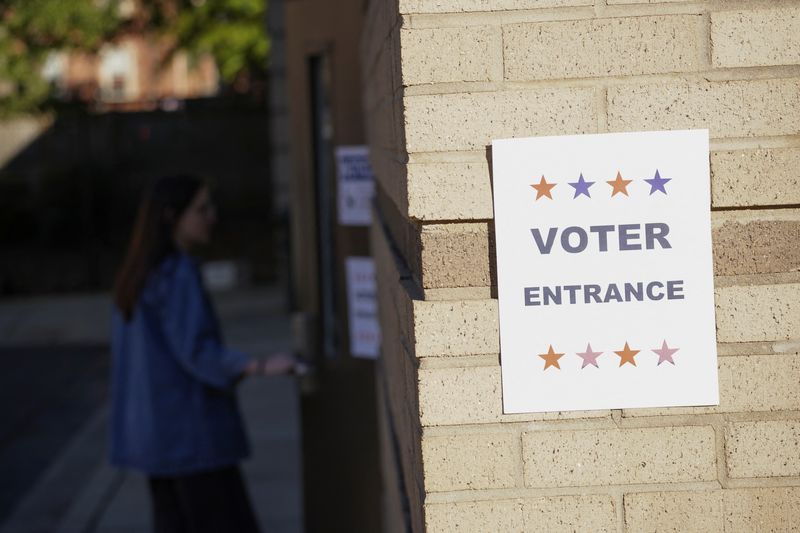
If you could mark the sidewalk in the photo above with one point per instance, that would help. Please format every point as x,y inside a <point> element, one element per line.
<point>79,493</point>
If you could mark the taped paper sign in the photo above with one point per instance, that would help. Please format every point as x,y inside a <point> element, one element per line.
<point>604,267</point>
<point>362,305</point>
<point>356,185</point>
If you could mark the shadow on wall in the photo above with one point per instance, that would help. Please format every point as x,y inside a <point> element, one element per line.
<point>68,197</point>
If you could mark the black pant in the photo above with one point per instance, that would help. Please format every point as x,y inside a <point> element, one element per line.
<point>215,501</point>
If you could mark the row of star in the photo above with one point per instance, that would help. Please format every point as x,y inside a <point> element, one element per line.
<point>618,185</point>
<point>626,356</point>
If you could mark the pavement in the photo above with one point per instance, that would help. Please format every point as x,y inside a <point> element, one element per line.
<point>54,418</point>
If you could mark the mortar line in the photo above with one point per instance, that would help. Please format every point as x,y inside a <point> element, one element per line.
<point>660,421</point>
<point>708,43</point>
<point>600,9</point>
<point>455,496</point>
<point>619,504</point>
<point>717,145</point>
<point>520,474</point>
<point>714,209</point>
<point>603,118</point>
<point>749,74</point>
<point>720,443</point>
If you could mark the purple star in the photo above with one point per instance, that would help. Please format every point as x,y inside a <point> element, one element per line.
<point>657,183</point>
<point>581,187</point>
<point>589,357</point>
<point>665,353</point>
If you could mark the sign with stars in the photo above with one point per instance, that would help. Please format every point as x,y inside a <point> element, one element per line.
<point>604,271</point>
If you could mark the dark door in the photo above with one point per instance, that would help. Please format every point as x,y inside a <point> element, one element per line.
<point>340,435</point>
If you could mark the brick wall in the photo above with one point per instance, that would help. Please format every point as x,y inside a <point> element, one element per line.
<point>442,79</point>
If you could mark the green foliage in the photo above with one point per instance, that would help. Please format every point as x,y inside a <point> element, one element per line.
<point>232,31</point>
<point>30,29</point>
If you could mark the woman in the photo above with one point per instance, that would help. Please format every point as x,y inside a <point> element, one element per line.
<point>174,414</point>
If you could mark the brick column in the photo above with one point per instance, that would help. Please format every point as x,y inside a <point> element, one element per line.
<point>442,79</point>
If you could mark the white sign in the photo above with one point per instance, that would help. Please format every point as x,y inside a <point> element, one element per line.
<point>604,269</point>
<point>356,185</point>
<point>362,304</point>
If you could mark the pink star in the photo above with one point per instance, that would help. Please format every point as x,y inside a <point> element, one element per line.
<point>589,357</point>
<point>665,353</point>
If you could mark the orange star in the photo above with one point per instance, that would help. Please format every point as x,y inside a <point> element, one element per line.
<point>543,188</point>
<point>619,185</point>
<point>551,358</point>
<point>627,355</point>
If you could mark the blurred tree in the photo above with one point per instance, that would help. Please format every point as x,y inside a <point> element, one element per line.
<point>30,29</point>
<point>232,31</point>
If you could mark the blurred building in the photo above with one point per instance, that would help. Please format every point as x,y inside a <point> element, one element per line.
<point>428,84</point>
<point>137,72</point>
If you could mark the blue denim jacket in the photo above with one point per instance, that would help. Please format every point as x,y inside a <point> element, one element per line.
<point>173,404</point>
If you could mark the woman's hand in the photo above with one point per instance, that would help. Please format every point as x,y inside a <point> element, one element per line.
<point>277,364</point>
<point>274,365</point>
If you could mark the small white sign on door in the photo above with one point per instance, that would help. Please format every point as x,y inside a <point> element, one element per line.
<point>356,185</point>
<point>362,306</point>
<point>604,267</point>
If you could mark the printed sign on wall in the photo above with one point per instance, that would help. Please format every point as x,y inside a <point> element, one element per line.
<point>362,305</point>
<point>604,268</point>
<point>356,185</point>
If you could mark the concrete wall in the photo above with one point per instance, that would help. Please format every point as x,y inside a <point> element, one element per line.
<point>442,78</point>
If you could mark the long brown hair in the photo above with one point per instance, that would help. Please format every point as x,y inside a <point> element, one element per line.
<point>152,237</point>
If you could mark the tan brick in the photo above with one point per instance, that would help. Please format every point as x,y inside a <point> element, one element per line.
<point>603,47</point>
<point>449,191</point>
<point>440,55</point>
<point>766,176</point>
<point>614,2</point>
<point>607,457</point>
<point>727,109</point>
<point>470,461</point>
<point>399,122</point>
<point>752,38</point>
<point>455,255</point>
<point>462,190</point>
<point>393,296</point>
<point>757,246</point>
<point>403,233</point>
<point>460,395</point>
<point>378,23</point>
<point>470,121</point>
<point>764,510</point>
<point>745,510</point>
<point>763,449</point>
<point>389,176</point>
<point>456,6</point>
<point>677,512</point>
<point>758,313</point>
<point>380,127</point>
<point>464,327</point>
<point>567,514</point>
<point>378,59</point>
<point>744,314</point>
<point>412,394</point>
<point>473,395</point>
<point>475,517</point>
<point>749,383</point>
<point>379,84</point>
